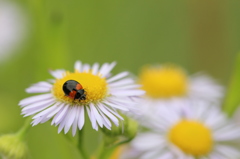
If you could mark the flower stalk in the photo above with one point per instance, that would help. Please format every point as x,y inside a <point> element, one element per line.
<point>80,145</point>
<point>232,99</point>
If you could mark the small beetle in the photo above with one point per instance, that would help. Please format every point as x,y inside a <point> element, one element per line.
<point>74,90</point>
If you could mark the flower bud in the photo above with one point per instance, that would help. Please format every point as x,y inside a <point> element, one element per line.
<point>13,147</point>
<point>124,132</point>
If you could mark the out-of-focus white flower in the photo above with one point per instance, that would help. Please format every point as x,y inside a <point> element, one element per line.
<point>169,85</point>
<point>187,132</point>
<point>12,28</point>
<point>89,89</point>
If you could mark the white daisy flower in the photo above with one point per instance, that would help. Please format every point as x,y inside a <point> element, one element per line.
<point>89,89</point>
<point>13,24</point>
<point>188,132</point>
<point>170,85</point>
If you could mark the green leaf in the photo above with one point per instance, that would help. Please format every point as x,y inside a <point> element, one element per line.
<point>232,100</point>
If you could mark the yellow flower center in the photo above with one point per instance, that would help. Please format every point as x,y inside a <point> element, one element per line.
<point>192,137</point>
<point>95,87</point>
<point>164,82</point>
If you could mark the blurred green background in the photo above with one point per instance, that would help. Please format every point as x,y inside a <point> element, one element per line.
<point>198,35</point>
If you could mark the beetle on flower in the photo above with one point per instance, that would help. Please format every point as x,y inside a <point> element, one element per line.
<point>102,97</point>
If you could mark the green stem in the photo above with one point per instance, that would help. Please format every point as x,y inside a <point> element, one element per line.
<point>232,99</point>
<point>81,146</point>
<point>24,130</point>
<point>106,151</point>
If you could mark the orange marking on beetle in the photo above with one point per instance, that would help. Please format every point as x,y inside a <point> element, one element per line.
<point>72,94</point>
<point>79,86</point>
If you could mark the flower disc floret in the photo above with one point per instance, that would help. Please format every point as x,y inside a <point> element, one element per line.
<point>94,85</point>
<point>164,82</point>
<point>192,137</point>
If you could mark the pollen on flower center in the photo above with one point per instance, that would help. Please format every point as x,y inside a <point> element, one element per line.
<point>164,82</point>
<point>95,87</point>
<point>192,137</point>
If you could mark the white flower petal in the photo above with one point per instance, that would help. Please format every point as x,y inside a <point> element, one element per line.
<point>122,82</point>
<point>57,73</point>
<point>34,99</point>
<point>95,68</point>
<point>116,106</point>
<point>70,118</point>
<point>228,151</point>
<point>104,71</point>
<point>106,121</point>
<point>86,68</point>
<point>113,112</point>
<point>117,77</point>
<point>81,118</point>
<point>59,107</point>
<point>92,119</point>
<point>46,111</point>
<point>40,87</point>
<point>96,114</point>
<point>34,110</point>
<point>38,104</point>
<point>128,93</point>
<point>58,117</point>
<point>78,66</point>
<point>75,122</point>
<point>108,114</point>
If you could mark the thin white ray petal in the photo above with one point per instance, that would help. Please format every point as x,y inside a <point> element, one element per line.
<point>106,121</point>
<point>60,114</point>
<point>127,87</point>
<point>59,106</point>
<point>104,66</point>
<point>122,82</point>
<point>35,110</point>
<point>107,70</point>
<point>64,120</point>
<point>78,66</point>
<point>43,84</point>
<point>81,119</point>
<point>36,121</point>
<point>38,104</point>
<point>44,119</point>
<point>40,87</point>
<point>46,111</point>
<point>230,135</point>
<point>228,151</point>
<point>108,114</point>
<point>92,119</point>
<point>151,154</point>
<point>35,89</point>
<point>215,155</point>
<point>113,112</point>
<point>61,126</point>
<point>117,77</point>
<point>86,68</point>
<point>57,73</point>
<point>95,68</point>
<point>123,93</point>
<point>70,118</point>
<point>116,106</point>
<point>121,100</point>
<point>75,122</point>
<point>34,99</point>
<point>167,155</point>
<point>151,140</point>
<point>96,114</point>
